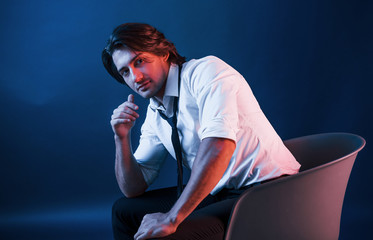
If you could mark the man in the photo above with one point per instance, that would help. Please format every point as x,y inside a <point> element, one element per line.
<point>225,139</point>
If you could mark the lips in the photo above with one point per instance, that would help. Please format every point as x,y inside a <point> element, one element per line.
<point>143,86</point>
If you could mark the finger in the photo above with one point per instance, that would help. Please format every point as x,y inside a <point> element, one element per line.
<point>143,235</point>
<point>131,98</point>
<point>124,113</point>
<point>127,104</point>
<point>119,121</point>
<point>127,116</point>
<point>130,112</point>
<point>138,235</point>
<point>128,108</point>
<point>123,116</point>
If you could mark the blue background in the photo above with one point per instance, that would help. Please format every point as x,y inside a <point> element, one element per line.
<point>309,64</point>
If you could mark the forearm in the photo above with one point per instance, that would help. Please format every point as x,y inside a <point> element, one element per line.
<point>209,166</point>
<point>127,171</point>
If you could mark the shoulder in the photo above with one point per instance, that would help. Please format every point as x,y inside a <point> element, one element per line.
<point>206,67</point>
<point>209,67</point>
<point>199,74</point>
<point>202,63</point>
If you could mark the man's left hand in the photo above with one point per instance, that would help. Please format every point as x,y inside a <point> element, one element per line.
<point>155,225</point>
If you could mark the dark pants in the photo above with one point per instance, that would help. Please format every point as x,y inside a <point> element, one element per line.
<point>208,221</point>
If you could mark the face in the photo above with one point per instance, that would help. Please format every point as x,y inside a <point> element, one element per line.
<point>145,73</point>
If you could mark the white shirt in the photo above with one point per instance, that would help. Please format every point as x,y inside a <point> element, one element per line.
<point>215,101</point>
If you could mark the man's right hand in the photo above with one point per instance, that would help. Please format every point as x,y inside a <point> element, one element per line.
<point>124,117</point>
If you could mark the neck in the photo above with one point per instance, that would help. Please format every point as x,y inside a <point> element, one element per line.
<point>160,93</point>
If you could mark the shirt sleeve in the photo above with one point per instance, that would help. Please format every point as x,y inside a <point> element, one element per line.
<point>151,153</point>
<point>215,86</point>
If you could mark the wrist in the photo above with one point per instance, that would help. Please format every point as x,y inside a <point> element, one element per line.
<point>176,217</point>
<point>122,137</point>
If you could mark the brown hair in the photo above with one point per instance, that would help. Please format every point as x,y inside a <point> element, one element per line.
<point>139,37</point>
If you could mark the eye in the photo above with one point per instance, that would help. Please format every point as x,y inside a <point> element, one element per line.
<point>139,61</point>
<point>125,72</point>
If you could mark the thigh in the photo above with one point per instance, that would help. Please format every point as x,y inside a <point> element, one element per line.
<point>127,213</point>
<point>160,200</point>
<point>208,221</point>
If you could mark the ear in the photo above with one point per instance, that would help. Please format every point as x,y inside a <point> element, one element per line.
<point>165,57</point>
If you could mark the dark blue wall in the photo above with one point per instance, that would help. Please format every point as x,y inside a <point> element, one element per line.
<point>309,64</point>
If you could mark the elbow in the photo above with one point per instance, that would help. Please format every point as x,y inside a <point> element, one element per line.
<point>131,185</point>
<point>133,192</point>
<point>131,195</point>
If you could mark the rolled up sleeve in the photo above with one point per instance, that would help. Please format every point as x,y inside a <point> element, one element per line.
<point>216,99</point>
<point>151,153</point>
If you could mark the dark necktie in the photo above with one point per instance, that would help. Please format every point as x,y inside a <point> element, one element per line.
<point>177,147</point>
<point>175,139</point>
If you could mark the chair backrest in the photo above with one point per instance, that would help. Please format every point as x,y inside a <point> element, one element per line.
<point>306,205</point>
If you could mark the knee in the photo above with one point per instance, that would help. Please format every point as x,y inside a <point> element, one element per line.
<point>119,204</point>
<point>125,220</point>
<point>123,207</point>
<point>127,208</point>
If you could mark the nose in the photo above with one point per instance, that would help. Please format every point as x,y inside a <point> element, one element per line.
<point>137,75</point>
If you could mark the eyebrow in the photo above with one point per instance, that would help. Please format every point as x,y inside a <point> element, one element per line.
<point>132,60</point>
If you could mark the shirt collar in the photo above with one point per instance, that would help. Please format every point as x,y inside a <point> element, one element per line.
<point>171,91</point>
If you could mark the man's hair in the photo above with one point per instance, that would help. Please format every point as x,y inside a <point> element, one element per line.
<point>138,37</point>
